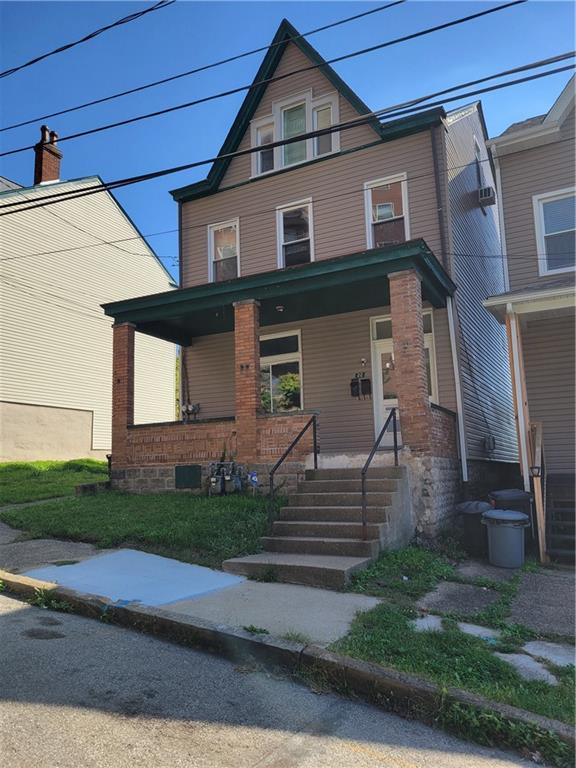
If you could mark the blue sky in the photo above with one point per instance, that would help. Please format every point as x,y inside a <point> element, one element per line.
<point>189,34</point>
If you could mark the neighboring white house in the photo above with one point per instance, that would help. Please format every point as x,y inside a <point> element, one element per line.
<point>58,264</point>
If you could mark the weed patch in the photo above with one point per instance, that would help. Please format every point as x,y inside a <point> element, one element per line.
<point>407,573</point>
<point>452,658</point>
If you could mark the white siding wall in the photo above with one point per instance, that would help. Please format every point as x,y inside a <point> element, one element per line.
<point>55,341</point>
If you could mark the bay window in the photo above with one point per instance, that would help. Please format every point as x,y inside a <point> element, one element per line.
<point>223,251</point>
<point>555,221</point>
<point>294,230</point>
<point>280,365</point>
<point>290,118</point>
<point>386,205</point>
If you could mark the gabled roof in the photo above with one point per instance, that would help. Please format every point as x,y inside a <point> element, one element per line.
<point>50,186</point>
<point>285,34</point>
<point>540,129</point>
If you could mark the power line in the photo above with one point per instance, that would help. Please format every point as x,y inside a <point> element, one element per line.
<point>68,195</point>
<point>260,212</point>
<point>268,81</point>
<point>203,68</point>
<point>125,20</point>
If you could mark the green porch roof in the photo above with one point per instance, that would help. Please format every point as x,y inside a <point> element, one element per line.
<point>327,287</point>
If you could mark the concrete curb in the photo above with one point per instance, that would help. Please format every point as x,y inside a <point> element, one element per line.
<point>392,690</point>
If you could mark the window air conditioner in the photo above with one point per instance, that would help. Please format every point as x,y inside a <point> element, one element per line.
<point>486,196</point>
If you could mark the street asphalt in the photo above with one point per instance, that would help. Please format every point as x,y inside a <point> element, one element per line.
<point>78,693</point>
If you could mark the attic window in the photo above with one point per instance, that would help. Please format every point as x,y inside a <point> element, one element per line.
<point>290,118</point>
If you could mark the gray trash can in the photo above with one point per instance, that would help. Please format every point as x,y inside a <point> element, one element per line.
<point>505,537</point>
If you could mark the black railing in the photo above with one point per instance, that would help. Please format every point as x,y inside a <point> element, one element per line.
<point>311,423</point>
<point>391,418</point>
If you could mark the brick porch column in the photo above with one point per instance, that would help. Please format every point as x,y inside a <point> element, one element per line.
<point>410,360</point>
<point>122,388</point>
<point>247,377</point>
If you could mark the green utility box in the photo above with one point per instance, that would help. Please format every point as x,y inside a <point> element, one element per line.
<point>188,476</point>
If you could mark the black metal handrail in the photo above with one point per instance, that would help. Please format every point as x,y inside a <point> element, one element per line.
<point>312,422</point>
<point>391,417</point>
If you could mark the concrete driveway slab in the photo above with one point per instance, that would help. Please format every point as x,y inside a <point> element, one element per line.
<point>450,597</point>
<point>129,575</point>
<point>318,615</point>
<point>545,602</point>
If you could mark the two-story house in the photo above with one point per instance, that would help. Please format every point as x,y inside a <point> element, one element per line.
<point>536,162</point>
<point>341,275</point>
<point>56,265</point>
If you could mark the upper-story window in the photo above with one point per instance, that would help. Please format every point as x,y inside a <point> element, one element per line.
<point>294,229</point>
<point>265,158</point>
<point>555,221</point>
<point>223,251</point>
<point>290,118</point>
<point>386,204</point>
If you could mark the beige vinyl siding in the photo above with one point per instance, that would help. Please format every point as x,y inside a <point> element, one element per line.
<point>240,168</point>
<point>332,352</point>
<point>478,271</point>
<point>549,361</point>
<point>56,343</point>
<point>532,172</point>
<point>336,186</point>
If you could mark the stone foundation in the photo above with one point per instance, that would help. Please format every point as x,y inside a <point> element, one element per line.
<point>161,479</point>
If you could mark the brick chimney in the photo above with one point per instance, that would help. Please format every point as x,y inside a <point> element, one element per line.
<point>48,157</point>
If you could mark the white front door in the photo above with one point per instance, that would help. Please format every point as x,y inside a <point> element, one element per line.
<point>385,379</point>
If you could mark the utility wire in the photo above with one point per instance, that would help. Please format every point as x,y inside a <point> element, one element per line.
<point>71,195</point>
<point>262,211</point>
<point>269,80</point>
<point>125,20</point>
<point>203,68</point>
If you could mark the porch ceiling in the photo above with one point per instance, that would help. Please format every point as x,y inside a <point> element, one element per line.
<point>328,287</point>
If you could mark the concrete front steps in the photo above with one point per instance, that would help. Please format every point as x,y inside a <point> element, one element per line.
<point>318,539</point>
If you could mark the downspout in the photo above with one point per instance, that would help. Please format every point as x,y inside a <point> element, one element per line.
<point>442,221</point>
<point>458,388</point>
<point>500,207</point>
<point>439,206</point>
<point>517,383</point>
<point>183,381</point>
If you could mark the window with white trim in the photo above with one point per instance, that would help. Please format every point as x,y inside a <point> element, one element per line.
<point>386,205</point>
<point>223,251</point>
<point>294,227</point>
<point>555,220</point>
<point>290,118</point>
<point>265,158</point>
<point>280,377</point>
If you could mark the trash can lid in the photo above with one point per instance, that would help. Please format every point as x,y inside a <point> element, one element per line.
<point>472,507</point>
<point>510,516</point>
<point>510,494</point>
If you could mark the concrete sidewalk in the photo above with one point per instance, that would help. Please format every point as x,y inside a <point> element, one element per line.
<point>285,610</point>
<point>304,613</point>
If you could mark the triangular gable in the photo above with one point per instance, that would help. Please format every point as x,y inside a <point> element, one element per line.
<point>285,35</point>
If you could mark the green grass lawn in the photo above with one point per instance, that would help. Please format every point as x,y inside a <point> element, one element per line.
<point>403,575</point>
<point>195,529</point>
<point>31,480</point>
<point>451,658</point>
